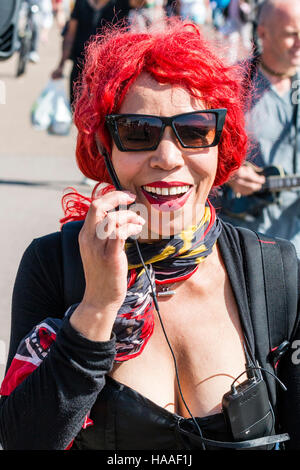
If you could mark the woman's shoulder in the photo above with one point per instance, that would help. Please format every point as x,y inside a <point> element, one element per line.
<point>41,264</point>
<point>243,235</point>
<point>47,254</point>
<point>257,247</point>
<point>42,248</point>
<point>50,245</point>
<point>265,261</point>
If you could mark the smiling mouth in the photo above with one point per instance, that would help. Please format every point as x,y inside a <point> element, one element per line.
<point>166,193</point>
<point>169,198</point>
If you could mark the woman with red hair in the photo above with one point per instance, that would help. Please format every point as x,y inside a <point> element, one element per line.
<point>137,317</point>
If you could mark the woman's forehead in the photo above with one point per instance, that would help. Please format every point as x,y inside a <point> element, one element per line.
<point>149,96</point>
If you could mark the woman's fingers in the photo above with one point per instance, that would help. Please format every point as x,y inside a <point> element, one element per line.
<point>101,243</point>
<point>116,242</point>
<point>115,228</point>
<point>100,206</point>
<point>106,229</point>
<point>114,220</point>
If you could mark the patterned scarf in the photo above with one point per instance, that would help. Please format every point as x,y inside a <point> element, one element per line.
<point>169,260</point>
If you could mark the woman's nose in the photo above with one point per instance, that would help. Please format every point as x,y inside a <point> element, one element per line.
<point>168,154</point>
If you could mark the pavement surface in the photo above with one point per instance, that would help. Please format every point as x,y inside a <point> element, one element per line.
<point>35,168</point>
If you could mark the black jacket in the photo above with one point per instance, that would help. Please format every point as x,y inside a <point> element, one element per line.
<point>55,399</point>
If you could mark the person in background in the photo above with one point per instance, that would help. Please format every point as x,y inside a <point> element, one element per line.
<point>272,125</point>
<point>42,20</point>
<point>199,11</point>
<point>237,28</point>
<point>59,12</point>
<point>46,19</point>
<point>218,8</point>
<point>86,19</point>
<point>172,8</point>
<point>144,13</point>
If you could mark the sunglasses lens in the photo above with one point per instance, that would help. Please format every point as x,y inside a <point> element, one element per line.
<point>139,133</point>
<point>196,130</point>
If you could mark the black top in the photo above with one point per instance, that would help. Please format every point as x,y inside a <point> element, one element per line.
<point>91,21</point>
<point>126,420</point>
<point>71,380</point>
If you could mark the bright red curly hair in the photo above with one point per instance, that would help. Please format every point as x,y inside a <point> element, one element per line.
<point>177,54</point>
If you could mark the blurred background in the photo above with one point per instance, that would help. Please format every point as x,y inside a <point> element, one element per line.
<point>41,44</point>
<point>35,167</point>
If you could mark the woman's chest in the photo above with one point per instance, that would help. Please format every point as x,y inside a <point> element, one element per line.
<point>203,334</point>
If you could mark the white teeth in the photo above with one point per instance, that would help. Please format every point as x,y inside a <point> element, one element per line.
<point>167,191</point>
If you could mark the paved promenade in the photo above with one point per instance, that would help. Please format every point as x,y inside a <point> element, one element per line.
<point>34,170</point>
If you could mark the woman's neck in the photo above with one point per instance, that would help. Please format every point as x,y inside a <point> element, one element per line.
<point>203,276</point>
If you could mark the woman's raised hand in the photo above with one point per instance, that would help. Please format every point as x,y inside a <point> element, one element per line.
<point>101,241</point>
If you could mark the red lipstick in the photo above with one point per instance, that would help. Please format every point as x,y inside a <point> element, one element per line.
<point>167,203</point>
<point>166,184</point>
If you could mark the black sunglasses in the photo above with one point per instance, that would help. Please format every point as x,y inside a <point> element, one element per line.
<point>137,132</point>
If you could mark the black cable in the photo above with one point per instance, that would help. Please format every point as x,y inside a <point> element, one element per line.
<point>168,342</point>
<point>258,368</point>
<point>117,185</point>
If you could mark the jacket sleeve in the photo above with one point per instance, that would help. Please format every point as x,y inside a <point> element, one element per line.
<point>47,391</point>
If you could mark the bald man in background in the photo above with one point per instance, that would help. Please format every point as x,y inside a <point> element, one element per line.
<point>273,124</point>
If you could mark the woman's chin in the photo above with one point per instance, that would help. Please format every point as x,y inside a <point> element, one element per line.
<point>165,229</point>
<point>164,224</point>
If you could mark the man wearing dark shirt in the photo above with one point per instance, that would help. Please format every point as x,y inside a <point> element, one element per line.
<point>87,18</point>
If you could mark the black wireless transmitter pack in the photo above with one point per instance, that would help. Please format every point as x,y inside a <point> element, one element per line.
<point>247,409</point>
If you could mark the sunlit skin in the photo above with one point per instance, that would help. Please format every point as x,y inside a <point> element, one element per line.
<point>169,162</point>
<point>280,37</point>
<point>206,295</point>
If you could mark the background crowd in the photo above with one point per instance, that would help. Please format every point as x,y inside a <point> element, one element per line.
<point>233,21</point>
<point>265,35</point>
